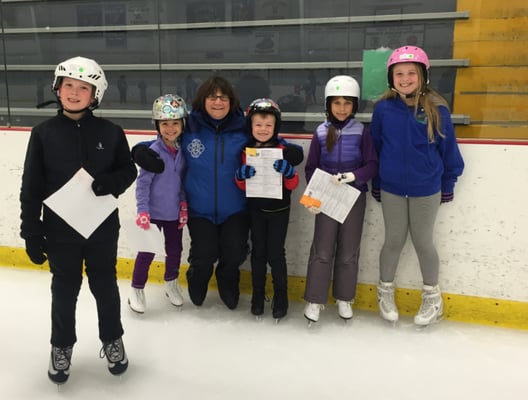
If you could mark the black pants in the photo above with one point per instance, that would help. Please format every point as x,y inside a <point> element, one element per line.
<point>66,265</point>
<point>226,242</point>
<point>268,235</point>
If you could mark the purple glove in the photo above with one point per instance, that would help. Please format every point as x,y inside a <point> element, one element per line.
<point>447,197</point>
<point>376,194</point>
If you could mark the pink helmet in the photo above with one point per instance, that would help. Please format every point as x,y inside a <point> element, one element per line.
<point>408,54</point>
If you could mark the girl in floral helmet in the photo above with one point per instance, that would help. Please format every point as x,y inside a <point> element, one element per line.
<point>161,200</point>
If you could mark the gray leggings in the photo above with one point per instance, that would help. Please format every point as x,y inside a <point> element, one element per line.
<point>416,215</point>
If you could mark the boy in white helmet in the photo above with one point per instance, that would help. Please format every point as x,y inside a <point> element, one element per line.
<point>341,146</point>
<point>57,149</point>
<point>161,200</point>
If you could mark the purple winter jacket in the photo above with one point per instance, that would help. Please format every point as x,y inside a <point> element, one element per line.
<point>353,152</point>
<point>160,194</point>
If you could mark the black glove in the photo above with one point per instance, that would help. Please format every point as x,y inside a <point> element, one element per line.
<point>36,249</point>
<point>147,159</point>
<point>293,154</point>
<point>103,185</point>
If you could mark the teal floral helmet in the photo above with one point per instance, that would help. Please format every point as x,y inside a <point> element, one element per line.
<point>169,106</point>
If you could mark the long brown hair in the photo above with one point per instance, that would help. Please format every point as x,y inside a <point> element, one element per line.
<point>331,134</point>
<point>427,98</point>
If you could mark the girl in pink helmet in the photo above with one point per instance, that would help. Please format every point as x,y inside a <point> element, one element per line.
<point>419,163</point>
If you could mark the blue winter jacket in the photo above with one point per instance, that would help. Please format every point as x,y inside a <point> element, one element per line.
<point>409,165</point>
<point>212,151</point>
<point>160,194</point>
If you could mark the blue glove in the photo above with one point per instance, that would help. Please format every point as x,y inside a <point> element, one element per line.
<point>245,172</point>
<point>285,168</point>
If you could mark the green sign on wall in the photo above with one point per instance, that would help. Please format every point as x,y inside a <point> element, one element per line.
<point>374,73</point>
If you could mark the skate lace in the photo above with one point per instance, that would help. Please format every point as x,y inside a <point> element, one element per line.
<point>113,351</point>
<point>387,300</point>
<point>428,304</point>
<point>62,357</point>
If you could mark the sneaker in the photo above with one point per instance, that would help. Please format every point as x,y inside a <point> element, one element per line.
<point>114,352</point>
<point>432,306</point>
<point>311,311</point>
<point>174,292</point>
<point>137,301</point>
<point>344,309</point>
<point>59,365</point>
<point>387,307</point>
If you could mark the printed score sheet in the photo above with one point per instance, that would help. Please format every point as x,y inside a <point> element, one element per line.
<point>267,182</point>
<point>334,200</point>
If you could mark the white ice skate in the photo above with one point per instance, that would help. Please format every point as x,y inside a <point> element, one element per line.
<point>174,292</point>
<point>387,306</point>
<point>311,312</point>
<point>432,307</point>
<point>137,301</point>
<point>344,309</point>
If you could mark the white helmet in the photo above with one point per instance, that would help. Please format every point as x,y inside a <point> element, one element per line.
<point>342,85</point>
<point>83,69</point>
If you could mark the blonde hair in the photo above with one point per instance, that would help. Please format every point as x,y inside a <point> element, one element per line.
<point>427,98</point>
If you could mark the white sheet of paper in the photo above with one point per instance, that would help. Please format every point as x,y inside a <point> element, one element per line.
<point>150,240</point>
<point>336,200</point>
<point>267,182</point>
<point>77,204</point>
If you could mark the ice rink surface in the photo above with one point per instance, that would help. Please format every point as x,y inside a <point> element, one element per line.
<point>210,352</point>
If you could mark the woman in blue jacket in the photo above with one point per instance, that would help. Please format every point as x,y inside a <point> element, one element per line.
<point>419,163</point>
<point>218,220</point>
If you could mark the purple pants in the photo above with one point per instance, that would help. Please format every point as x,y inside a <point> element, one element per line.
<point>173,250</point>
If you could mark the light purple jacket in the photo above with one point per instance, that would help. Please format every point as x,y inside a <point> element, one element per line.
<point>160,194</point>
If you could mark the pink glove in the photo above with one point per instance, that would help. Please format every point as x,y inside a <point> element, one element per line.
<point>143,220</point>
<point>184,216</point>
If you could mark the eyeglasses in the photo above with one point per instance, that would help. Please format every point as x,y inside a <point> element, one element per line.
<point>222,97</point>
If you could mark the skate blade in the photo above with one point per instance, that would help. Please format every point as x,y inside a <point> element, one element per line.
<point>136,311</point>
<point>392,324</point>
<point>421,328</point>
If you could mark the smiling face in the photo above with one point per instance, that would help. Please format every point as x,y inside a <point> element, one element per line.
<point>406,78</point>
<point>217,105</point>
<point>75,95</point>
<point>262,126</point>
<point>170,130</point>
<point>341,108</point>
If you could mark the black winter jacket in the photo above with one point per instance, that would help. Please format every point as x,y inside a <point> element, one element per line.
<point>57,149</point>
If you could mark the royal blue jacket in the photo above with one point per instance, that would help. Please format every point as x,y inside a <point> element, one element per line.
<point>212,151</point>
<point>409,165</point>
